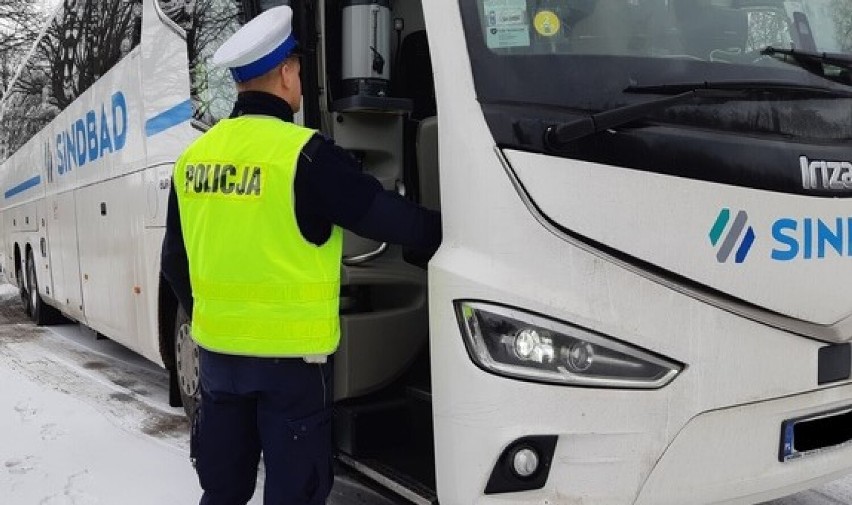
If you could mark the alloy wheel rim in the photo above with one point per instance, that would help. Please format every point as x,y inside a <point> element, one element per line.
<point>187,361</point>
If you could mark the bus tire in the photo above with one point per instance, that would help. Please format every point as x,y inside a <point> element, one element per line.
<point>187,368</point>
<point>41,313</point>
<point>20,279</point>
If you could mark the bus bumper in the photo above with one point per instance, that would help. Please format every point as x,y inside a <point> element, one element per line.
<point>732,455</point>
<point>729,456</point>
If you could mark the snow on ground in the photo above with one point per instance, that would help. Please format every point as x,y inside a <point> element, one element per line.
<point>59,451</point>
<point>87,422</point>
<point>73,433</point>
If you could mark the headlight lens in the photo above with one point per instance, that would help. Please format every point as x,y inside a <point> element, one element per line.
<point>518,344</point>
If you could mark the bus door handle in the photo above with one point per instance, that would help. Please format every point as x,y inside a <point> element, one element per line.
<point>351,261</point>
<point>103,209</point>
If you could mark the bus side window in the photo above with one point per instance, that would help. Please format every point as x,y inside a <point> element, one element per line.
<point>110,32</point>
<point>85,41</point>
<point>32,100</point>
<point>208,24</point>
<point>767,27</point>
<point>137,24</point>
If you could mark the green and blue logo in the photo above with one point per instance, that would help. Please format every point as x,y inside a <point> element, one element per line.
<point>739,236</point>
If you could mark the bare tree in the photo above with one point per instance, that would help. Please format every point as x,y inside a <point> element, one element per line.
<point>843,18</point>
<point>81,46</point>
<point>83,42</point>
<point>20,22</point>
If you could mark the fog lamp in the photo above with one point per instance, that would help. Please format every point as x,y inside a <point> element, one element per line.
<point>525,462</point>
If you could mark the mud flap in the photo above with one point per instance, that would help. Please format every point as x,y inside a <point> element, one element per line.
<point>174,390</point>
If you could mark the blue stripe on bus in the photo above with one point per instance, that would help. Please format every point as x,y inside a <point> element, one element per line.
<point>176,115</point>
<point>20,188</point>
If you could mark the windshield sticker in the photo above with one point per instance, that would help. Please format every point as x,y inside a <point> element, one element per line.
<point>506,23</point>
<point>546,23</point>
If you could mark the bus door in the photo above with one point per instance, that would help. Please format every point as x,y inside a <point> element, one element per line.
<point>63,251</point>
<point>105,243</point>
<point>383,302</point>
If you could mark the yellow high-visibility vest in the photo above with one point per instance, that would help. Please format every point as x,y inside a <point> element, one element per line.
<point>259,288</point>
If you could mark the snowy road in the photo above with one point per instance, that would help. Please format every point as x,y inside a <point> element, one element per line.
<point>87,422</point>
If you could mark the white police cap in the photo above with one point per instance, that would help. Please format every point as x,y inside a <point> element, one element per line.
<point>259,46</point>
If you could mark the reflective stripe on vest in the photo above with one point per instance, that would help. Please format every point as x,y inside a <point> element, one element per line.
<point>259,288</point>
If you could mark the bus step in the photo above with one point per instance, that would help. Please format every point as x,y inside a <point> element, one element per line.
<point>363,429</point>
<point>400,483</point>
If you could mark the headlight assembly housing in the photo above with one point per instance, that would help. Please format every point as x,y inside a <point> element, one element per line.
<point>518,344</point>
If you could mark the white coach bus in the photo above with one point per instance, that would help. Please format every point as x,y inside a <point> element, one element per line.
<point>643,294</point>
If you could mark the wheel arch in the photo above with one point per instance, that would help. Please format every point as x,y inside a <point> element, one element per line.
<point>167,305</point>
<point>29,251</point>
<point>18,265</point>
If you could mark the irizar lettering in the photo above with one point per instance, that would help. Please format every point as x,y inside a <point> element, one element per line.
<point>224,179</point>
<point>833,175</point>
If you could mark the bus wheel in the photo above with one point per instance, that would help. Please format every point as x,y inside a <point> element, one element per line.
<point>40,312</point>
<point>22,288</point>
<point>187,368</point>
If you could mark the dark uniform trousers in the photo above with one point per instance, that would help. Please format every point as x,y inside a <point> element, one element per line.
<point>280,407</point>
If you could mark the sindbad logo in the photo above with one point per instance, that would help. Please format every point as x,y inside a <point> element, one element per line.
<point>735,239</point>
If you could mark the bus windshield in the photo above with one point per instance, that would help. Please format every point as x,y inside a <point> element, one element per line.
<point>588,55</point>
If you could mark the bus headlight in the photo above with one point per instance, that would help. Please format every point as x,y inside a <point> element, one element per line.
<point>518,344</point>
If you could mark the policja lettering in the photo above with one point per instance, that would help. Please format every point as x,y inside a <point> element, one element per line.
<point>223,179</point>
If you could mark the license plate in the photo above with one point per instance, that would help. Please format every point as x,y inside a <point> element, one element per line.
<point>816,433</point>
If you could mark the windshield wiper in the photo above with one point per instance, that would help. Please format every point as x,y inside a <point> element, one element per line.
<point>814,62</point>
<point>558,137</point>
<point>754,85</point>
<point>836,59</point>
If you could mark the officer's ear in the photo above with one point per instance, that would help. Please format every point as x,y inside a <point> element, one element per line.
<point>289,72</point>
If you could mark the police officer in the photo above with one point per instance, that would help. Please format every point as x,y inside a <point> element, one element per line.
<point>253,250</point>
